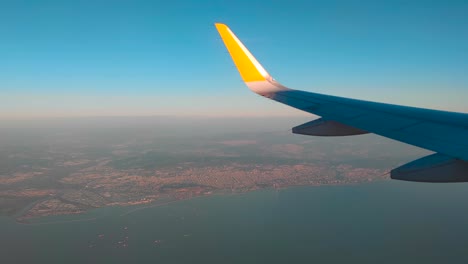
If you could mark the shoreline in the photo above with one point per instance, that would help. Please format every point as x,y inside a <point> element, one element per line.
<point>157,203</point>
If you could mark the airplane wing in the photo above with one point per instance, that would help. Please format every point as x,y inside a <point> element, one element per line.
<point>445,133</point>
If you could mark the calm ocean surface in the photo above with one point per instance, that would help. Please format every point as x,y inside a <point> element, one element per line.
<point>385,222</point>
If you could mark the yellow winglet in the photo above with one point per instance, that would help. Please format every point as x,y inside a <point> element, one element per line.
<point>249,68</point>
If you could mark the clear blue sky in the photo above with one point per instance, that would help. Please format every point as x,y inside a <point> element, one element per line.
<point>80,58</point>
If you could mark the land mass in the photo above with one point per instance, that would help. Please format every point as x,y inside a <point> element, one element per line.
<point>72,172</point>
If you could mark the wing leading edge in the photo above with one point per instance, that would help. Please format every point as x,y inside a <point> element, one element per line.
<point>445,133</point>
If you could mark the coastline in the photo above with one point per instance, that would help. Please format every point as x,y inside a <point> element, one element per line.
<point>168,200</point>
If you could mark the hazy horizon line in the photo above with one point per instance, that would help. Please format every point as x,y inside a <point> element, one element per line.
<point>177,116</point>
